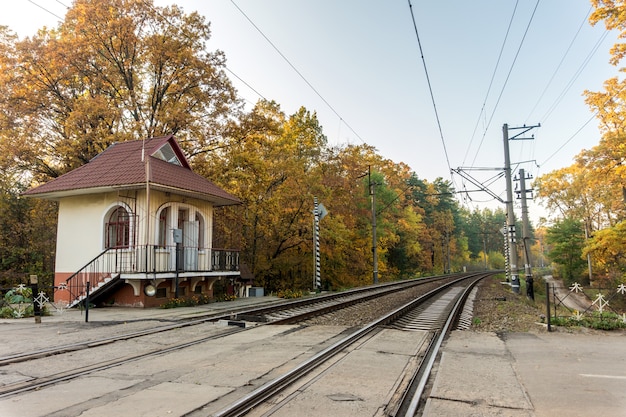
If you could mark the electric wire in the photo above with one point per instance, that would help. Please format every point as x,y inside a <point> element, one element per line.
<point>553,76</point>
<point>560,97</point>
<point>579,71</point>
<point>245,83</point>
<point>506,80</point>
<point>558,67</point>
<point>430,89</point>
<point>508,76</point>
<point>296,70</point>
<point>46,10</point>
<point>493,76</point>
<point>569,85</point>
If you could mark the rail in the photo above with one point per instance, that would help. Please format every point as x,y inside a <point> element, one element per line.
<point>263,393</point>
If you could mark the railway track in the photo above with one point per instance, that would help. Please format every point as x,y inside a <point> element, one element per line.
<point>276,314</point>
<point>281,313</point>
<point>433,313</point>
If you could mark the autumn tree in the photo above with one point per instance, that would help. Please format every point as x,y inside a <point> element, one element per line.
<point>608,247</point>
<point>566,239</point>
<point>445,240</point>
<point>271,162</point>
<point>483,231</point>
<point>27,235</point>
<point>113,70</point>
<point>116,70</point>
<point>591,193</point>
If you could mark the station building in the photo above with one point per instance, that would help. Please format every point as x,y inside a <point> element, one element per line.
<point>136,227</point>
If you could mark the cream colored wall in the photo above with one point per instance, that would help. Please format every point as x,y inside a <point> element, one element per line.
<point>80,235</point>
<point>80,232</point>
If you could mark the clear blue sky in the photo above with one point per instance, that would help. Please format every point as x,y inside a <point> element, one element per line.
<point>363,59</point>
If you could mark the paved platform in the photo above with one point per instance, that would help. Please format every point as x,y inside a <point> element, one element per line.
<point>531,374</point>
<point>123,314</point>
<point>480,374</point>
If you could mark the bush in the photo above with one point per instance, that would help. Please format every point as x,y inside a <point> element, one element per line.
<point>289,293</point>
<point>6,313</point>
<point>187,301</point>
<point>604,321</point>
<point>19,295</point>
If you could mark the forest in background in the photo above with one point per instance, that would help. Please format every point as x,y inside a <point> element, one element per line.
<point>119,70</point>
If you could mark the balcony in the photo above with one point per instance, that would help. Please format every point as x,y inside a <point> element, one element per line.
<point>152,262</point>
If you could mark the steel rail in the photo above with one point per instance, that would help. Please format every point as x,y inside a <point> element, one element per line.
<point>19,387</point>
<point>244,313</point>
<point>409,403</point>
<point>266,391</point>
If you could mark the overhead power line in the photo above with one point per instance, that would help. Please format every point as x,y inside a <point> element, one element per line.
<point>493,76</point>
<point>296,70</point>
<point>430,88</point>
<point>519,48</point>
<point>558,67</point>
<point>580,69</point>
<point>46,10</point>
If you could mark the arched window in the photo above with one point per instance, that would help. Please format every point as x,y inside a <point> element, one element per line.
<point>118,229</point>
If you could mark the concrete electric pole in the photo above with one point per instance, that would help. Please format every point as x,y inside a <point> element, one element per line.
<point>510,214</point>
<point>528,275</point>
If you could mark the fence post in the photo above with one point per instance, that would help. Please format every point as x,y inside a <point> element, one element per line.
<point>548,305</point>
<point>87,302</point>
<point>34,281</point>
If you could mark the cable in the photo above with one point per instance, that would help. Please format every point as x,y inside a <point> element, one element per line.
<point>432,97</point>
<point>296,70</point>
<point>558,67</point>
<point>507,78</point>
<point>580,69</point>
<point>583,126</point>
<point>570,139</point>
<point>246,84</point>
<point>493,76</point>
<point>46,10</point>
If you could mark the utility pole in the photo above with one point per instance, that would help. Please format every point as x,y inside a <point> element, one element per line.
<point>530,291</point>
<point>507,252</point>
<point>372,187</point>
<point>317,280</point>
<point>510,214</point>
<point>319,212</point>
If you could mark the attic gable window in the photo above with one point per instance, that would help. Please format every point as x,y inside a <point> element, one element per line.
<point>167,154</point>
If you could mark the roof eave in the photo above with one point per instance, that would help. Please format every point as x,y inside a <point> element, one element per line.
<point>56,195</point>
<point>216,200</point>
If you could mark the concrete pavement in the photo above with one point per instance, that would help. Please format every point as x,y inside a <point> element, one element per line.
<point>480,374</point>
<point>531,374</point>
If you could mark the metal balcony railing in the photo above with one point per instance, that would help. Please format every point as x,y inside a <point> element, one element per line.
<point>153,260</point>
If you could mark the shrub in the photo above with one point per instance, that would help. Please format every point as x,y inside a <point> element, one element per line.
<point>289,293</point>
<point>604,321</point>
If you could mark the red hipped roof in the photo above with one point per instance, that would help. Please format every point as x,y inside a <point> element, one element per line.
<point>120,166</point>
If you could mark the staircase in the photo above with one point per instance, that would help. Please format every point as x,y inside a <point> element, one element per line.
<point>101,274</point>
<point>102,287</point>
